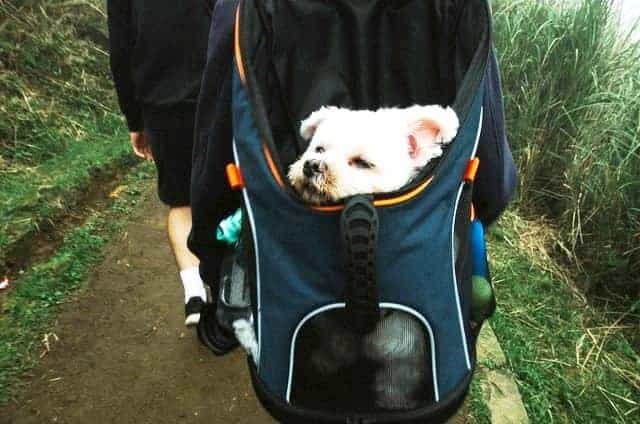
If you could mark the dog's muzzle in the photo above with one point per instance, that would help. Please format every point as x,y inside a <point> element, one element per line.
<point>313,167</point>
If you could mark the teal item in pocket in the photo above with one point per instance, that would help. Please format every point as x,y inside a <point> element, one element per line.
<point>229,228</point>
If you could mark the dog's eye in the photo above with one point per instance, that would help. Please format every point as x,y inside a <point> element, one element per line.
<point>319,149</point>
<point>360,163</point>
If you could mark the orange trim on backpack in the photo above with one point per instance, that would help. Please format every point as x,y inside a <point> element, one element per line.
<point>381,202</point>
<point>272,165</point>
<point>472,170</point>
<point>473,213</point>
<point>404,197</point>
<point>234,176</point>
<point>329,208</point>
<point>237,50</point>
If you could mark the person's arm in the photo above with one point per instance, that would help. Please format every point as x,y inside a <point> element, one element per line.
<point>211,198</point>
<point>121,42</point>
<point>497,176</point>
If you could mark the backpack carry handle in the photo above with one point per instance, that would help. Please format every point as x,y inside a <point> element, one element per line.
<point>359,229</point>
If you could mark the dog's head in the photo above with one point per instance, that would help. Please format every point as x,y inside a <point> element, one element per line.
<point>360,152</point>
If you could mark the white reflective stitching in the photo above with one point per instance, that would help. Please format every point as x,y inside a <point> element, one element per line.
<point>475,145</point>
<point>455,280</point>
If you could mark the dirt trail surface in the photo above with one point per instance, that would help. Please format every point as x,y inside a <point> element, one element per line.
<point>122,353</point>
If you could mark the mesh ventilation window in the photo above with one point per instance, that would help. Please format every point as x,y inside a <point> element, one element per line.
<point>339,370</point>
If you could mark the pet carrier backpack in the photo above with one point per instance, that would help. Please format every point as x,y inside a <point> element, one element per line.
<point>372,256</point>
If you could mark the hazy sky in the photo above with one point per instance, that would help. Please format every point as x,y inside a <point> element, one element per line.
<point>630,12</point>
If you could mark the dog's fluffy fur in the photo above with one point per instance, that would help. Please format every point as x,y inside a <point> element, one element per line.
<point>361,152</point>
<point>245,335</point>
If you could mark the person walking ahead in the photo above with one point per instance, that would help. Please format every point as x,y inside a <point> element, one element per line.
<point>157,54</point>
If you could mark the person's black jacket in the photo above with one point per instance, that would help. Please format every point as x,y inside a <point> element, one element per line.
<point>157,53</point>
<point>211,198</point>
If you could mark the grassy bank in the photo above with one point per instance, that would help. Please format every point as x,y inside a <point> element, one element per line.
<point>568,274</point>
<point>573,108</point>
<point>38,294</point>
<point>59,128</point>
<point>572,362</point>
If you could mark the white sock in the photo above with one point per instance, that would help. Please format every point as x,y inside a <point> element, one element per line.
<point>192,283</point>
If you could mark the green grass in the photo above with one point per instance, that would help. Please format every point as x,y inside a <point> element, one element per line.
<point>478,412</point>
<point>28,309</point>
<point>572,91</point>
<point>572,362</point>
<point>54,79</point>
<point>60,126</point>
<point>51,189</point>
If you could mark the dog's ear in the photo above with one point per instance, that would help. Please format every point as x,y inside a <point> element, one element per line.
<point>429,128</point>
<point>309,125</point>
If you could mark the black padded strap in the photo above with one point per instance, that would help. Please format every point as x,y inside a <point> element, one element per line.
<point>359,227</point>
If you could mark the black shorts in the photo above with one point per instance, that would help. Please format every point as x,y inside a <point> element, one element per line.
<point>171,150</point>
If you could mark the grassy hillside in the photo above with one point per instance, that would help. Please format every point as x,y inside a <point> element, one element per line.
<point>59,127</point>
<point>573,106</point>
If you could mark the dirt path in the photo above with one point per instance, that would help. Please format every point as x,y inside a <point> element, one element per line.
<point>124,355</point>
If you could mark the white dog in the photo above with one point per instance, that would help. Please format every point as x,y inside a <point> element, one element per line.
<point>360,152</point>
<point>363,152</point>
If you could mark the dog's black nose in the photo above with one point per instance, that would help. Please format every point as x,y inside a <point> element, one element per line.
<point>311,167</point>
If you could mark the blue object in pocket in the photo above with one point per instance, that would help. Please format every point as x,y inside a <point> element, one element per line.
<point>479,265</point>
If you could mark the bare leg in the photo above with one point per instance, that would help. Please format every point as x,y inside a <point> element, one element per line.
<point>178,228</point>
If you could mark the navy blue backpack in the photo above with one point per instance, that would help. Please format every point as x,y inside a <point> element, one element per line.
<point>359,260</point>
